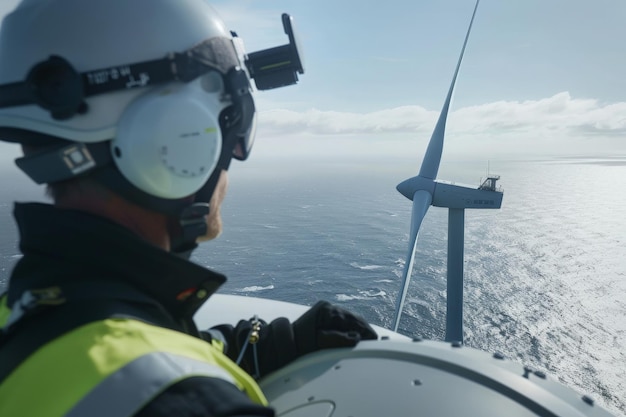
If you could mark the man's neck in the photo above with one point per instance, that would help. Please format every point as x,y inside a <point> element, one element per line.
<point>148,225</point>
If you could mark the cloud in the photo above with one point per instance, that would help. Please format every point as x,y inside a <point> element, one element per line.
<point>559,113</point>
<point>557,125</point>
<point>407,119</point>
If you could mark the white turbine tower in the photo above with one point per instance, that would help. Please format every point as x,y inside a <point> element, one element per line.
<point>425,191</point>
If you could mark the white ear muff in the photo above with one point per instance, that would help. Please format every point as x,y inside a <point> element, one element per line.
<point>168,140</point>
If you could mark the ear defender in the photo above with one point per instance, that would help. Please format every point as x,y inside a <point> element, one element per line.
<point>169,140</point>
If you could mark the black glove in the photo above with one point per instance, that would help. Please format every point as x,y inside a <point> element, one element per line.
<point>327,326</point>
<point>323,326</point>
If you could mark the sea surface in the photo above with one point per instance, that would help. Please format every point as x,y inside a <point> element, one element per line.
<point>545,276</point>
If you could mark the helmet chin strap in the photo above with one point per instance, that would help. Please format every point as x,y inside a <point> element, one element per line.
<point>191,224</point>
<point>185,231</point>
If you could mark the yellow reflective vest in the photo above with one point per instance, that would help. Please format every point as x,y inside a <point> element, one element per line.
<point>111,368</point>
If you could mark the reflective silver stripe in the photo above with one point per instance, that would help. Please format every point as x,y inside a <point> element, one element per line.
<point>123,393</point>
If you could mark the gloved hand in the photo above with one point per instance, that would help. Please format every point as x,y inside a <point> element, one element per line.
<point>323,326</point>
<point>327,326</point>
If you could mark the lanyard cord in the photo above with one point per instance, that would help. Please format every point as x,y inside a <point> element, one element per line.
<point>252,339</point>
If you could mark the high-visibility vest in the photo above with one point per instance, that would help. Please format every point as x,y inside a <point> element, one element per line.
<point>111,368</point>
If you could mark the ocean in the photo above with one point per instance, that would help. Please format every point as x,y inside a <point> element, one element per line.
<point>545,276</point>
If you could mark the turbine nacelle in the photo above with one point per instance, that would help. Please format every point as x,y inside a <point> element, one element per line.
<point>450,195</point>
<point>461,197</point>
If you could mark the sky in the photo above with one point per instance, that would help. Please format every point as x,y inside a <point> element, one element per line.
<point>540,78</point>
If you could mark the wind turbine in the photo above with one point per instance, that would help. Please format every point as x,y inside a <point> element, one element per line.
<point>425,191</point>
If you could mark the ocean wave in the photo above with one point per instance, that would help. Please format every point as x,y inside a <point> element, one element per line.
<point>362,295</point>
<point>365,267</point>
<point>255,288</point>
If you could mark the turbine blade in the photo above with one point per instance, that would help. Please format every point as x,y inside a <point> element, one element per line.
<point>421,201</point>
<point>432,158</point>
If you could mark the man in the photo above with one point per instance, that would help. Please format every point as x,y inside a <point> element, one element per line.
<point>131,111</point>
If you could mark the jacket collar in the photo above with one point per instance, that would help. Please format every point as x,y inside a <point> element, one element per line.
<point>69,246</point>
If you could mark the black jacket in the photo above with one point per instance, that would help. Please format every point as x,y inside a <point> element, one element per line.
<point>73,248</point>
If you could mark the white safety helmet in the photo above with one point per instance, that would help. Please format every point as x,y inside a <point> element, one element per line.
<point>162,84</point>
